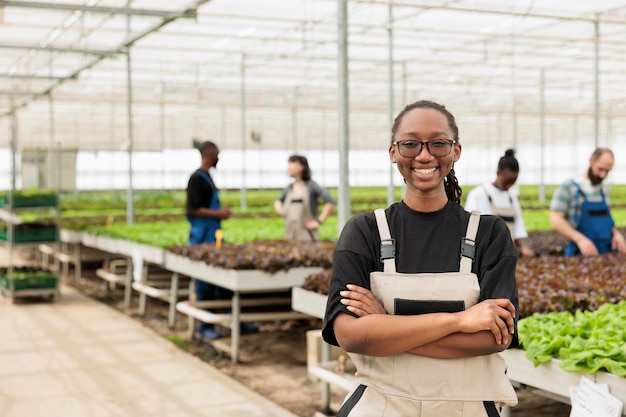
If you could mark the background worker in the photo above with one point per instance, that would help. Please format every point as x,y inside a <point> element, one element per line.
<point>205,214</point>
<point>298,203</point>
<point>496,198</point>
<point>580,211</point>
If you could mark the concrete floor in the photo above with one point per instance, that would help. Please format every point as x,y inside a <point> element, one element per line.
<point>75,357</point>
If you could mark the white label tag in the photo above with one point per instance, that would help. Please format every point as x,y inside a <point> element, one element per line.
<point>594,400</point>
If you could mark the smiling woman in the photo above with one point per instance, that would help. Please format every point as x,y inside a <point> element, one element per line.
<point>425,170</point>
<point>403,307</point>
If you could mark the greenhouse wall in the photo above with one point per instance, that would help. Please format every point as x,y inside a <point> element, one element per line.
<point>170,169</point>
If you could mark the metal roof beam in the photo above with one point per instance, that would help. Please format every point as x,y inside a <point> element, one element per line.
<point>31,76</point>
<point>122,48</point>
<point>466,9</point>
<point>98,52</point>
<point>15,93</point>
<point>189,13</point>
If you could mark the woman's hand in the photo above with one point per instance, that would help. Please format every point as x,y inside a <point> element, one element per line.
<point>361,301</point>
<point>618,243</point>
<point>494,315</point>
<point>311,224</point>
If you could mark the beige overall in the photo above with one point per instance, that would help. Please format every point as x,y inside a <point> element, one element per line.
<point>297,209</point>
<point>418,386</point>
<point>508,214</point>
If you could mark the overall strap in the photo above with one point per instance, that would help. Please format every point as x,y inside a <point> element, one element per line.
<point>468,243</point>
<point>578,208</point>
<point>387,244</point>
<point>579,191</point>
<point>489,196</point>
<point>206,177</point>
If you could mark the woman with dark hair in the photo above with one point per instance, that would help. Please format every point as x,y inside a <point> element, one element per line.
<point>299,201</point>
<point>497,199</point>
<point>423,294</point>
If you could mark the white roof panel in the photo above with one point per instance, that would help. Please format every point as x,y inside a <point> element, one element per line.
<point>193,64</point>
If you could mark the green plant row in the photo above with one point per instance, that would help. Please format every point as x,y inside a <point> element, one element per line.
<point>84,201</point>
<point>168,234</point>
<point>246,228</point>
<point>104,200</point>
<point>589,341</point>
<point>84,210</point>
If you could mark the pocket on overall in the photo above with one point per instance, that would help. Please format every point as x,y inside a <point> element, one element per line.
<point>197,233</point>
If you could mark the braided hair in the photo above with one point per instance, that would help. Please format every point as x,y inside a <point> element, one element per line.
<point>451,184</point>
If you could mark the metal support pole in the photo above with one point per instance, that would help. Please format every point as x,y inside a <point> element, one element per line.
<point>162,135</point>
<point>294,120</point>
<point>405,83</point>
<point>513,90</point>
<point>514,121</point>
<point>243,192</point>
<point>596,83</point>
<point>344,209</point>
<point>13,147</point>
<point>390,187</point>
<point>10,228</point>
<point>542,135</point>
<point>130,197</point>
<point>54,168</point>
<point>54,175</point>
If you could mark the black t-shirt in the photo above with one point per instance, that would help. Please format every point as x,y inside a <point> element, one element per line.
<point>199,192</point>
<point>425,242</point>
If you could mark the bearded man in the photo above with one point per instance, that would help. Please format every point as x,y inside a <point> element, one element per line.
<point>580,210</point>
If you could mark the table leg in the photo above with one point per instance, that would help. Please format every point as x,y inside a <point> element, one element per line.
<point>171,318</point>
<point>78,266</point>
<point>191,322</point>
<point>129,283</point>
<point>62,266</point>
<point>142,295</point>
<point>235,327</point>
<point>325,386</point>
<point>142,303</point>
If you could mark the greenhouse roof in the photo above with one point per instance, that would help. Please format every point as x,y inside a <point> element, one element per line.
<point>266,73</point>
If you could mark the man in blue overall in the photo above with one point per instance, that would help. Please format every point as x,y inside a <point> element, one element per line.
<point>205,215</point>
<point>580,211</point>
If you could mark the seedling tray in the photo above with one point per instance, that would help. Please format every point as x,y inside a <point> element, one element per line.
<point>37,200</point>
<point>30,280</point>
<point>25,235</point>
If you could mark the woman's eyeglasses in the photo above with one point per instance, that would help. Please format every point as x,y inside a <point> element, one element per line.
<point>412,148</point>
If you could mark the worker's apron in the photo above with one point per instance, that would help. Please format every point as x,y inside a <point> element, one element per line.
<point>508,214</point>
<point>418,386</point>
<point>595,222</point>
<point>297,209</point>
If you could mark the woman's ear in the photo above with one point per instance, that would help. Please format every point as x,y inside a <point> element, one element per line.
<point>457,152</point>
<point>392,154</point>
